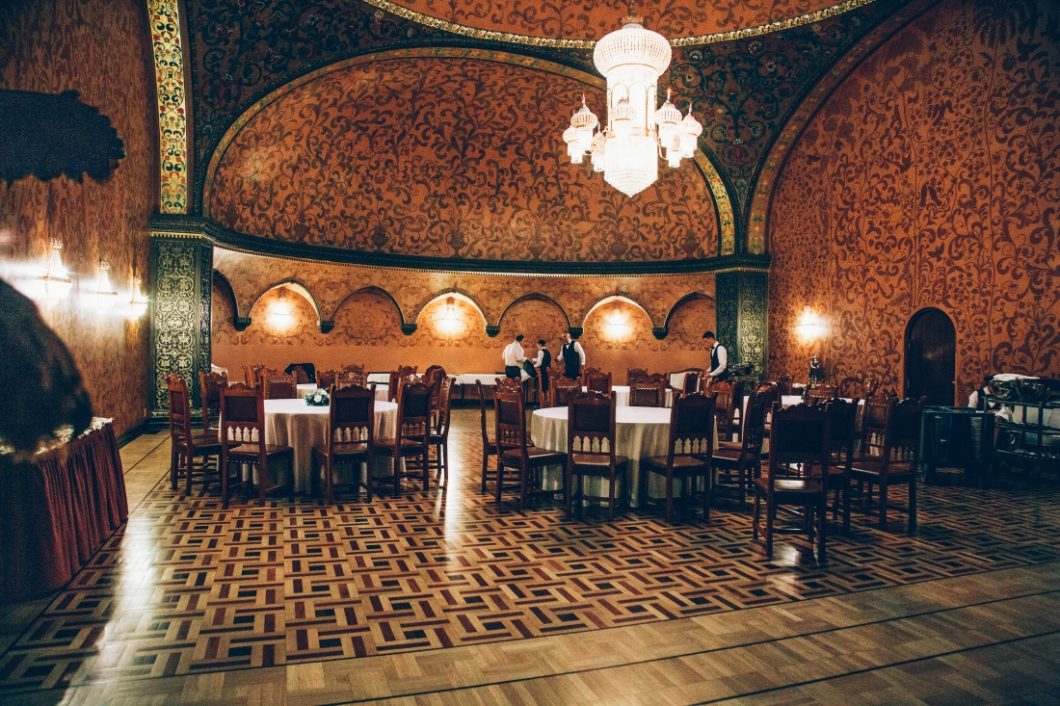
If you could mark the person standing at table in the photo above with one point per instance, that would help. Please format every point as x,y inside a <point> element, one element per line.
<point>572,355</point>
<point>543,362</point>
<point>514,356</point>
<point>719,358</point>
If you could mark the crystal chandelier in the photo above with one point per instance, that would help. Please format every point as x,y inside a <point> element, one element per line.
<point>627,150</point>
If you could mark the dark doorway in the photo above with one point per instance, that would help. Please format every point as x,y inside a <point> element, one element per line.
<point>930,357</point>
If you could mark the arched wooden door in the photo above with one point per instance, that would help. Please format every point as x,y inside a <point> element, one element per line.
<point>930,357</point>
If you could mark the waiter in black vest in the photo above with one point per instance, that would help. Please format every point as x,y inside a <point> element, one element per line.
<point>572,355</point>
<point>543,362</point>
<point>719,358</point>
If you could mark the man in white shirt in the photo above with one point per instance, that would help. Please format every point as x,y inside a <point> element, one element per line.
<point>719,358</point>
<point>514,356</point>
<point>572,355</point>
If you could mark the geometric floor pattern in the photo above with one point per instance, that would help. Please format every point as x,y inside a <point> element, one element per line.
<point>187,587</point>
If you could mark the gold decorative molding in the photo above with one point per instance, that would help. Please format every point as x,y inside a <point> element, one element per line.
<point>172,105</point>
<point>560,43</point>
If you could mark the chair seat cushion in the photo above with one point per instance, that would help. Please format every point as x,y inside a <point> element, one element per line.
<point>344,449</point>
<point>535,455</point>
<point>731,456</point>
<point>203,442</point>
<point>252,450</point>
<point>874,466</point>
<point>730,445</point>
<point>789,486</point>
<point>594,462</point>
<point>682,464</point>
<point>407,446</point>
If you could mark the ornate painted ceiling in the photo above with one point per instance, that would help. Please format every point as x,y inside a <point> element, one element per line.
<point>444,156</point>
<point>584,21</point>
<point>744,90</point>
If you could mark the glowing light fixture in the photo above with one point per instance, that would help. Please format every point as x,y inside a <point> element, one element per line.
<point>104,297</point>
<point>627,150</point>
<point>138,301</point>
<point>617,326</point>
<point>55,284</point>
<point>449,322</point>
<point>811,326</point>
<point>281,316</point>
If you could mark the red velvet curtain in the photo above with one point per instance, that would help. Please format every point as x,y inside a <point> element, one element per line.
<point>57,510</point>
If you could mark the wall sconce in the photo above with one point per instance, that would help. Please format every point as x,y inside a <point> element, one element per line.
<point>617,326</point>
<point>104,297</point>
<point>449,322</point>
<point>810,327</point>
<point>55,284</point>
<point>281,317</point>
<point>138,301</point>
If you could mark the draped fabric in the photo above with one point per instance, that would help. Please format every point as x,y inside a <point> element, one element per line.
<point>57,510</point>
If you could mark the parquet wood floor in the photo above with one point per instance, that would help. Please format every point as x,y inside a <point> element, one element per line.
<point>445,597</point>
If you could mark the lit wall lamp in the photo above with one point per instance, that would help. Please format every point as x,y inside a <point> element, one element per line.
<point>55,284</point>
<point>281,316</point>
<point>811,327</point>
<point>449,322</point>
<point>104,297</point>
<point>617,326</point>
<point>138,301</point>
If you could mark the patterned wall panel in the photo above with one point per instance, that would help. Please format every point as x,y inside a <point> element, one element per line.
<point>367,321</point>
<point>742,316</point>
<point>168,51</point>
<point>745,90</point>
<point>930,179</point>
<point>181,280</point>
<point>52,46</point>
<point>447,157</point>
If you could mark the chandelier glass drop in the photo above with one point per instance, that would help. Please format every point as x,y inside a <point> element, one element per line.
<point>628,149</point>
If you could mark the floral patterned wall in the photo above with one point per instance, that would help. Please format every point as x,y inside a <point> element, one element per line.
<point>929,179</point>
<point>58,45</point>
<point>367,307</point>
<point>446,158</point>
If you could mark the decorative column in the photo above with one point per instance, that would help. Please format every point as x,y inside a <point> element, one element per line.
<point>181,281</point>
<point>741,310</point>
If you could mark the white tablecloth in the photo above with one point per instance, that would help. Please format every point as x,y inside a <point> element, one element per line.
<point>381,378</point>
<point>640,432</point>
<point>487,379</point>
<point>300,426</point>
<point>381,391</point>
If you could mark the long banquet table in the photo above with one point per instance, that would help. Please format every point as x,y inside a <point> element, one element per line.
<point>640,432</point>
<point>57,509</point>
<point>300,426</point>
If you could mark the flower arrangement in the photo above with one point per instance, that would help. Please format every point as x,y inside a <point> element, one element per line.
<point>317,398</point>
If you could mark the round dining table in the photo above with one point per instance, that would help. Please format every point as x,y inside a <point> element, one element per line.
<point>299,425</point>
<point>640,432</point>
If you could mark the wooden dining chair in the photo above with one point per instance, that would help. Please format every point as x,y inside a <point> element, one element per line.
<point>562,388</point>
<point>350,439</point>
<point>210,386</point>
<point>252,373</point>
<point>690,451</point>
<point>595,380</point>
<point>515,452</point>
<point>327,378</point>
<point>842,420</point>
<point>798,444</point>
<point>280,387</point>
<point>740,461</point>
<point>693,382</point>
<point>397,378</point>
<point>890,440</point>
<point>187,445</point>
<point>489,444</point>
<point>647,394</point>
<point>820,394</point>
<point>591,436</point>
<point>438,438</point>
<point>411,438</point>
<point>634,375</point>
<point>351,377</point>
<point>728,407</point>
<point>243,438</point>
